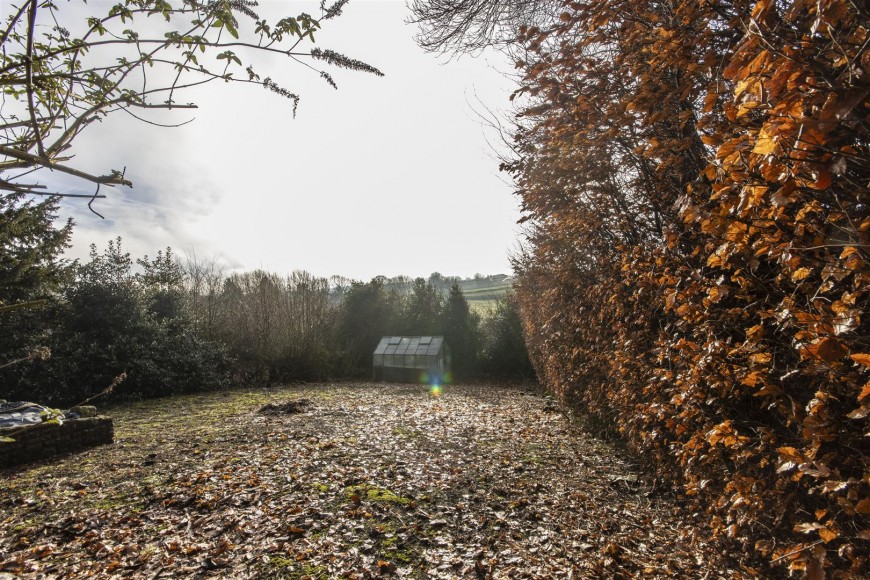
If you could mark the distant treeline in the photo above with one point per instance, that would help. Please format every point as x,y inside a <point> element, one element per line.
<point>177,325</point>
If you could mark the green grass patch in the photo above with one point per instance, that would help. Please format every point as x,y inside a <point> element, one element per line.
<point>399,557</point>
<point>282,567</point>
<point>407,433</point>
<point>376,494</point>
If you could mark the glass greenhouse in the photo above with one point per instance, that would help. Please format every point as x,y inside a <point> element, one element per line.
<point>424,359</point>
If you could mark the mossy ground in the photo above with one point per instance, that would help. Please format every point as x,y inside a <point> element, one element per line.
<point>376,494</point>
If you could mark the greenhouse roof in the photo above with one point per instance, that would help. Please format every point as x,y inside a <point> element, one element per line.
<point>416,345</point>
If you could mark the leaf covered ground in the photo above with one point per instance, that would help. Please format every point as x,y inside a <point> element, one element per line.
<point>354,481</point>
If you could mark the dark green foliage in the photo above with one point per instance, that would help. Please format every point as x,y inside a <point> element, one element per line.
<point>30,246</point>
<point>493,346</point>
<point>503,353</point>
<point>174,329</point>
<point>112,321</point>
<point>164,279</point>
<point>137,323</point>
<point>31,271</point>
<point>368,312</point>
<point>460,327</point>
<point>422,310</point>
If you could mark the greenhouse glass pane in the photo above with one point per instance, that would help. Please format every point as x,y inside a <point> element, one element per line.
<point>382,346</point>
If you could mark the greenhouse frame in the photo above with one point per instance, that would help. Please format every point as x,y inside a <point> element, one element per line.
<point>412,359</point>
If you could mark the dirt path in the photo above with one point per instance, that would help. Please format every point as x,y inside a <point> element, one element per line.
<point>361,481</point>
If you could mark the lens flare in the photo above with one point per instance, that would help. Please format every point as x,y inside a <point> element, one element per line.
<point>435,390</point>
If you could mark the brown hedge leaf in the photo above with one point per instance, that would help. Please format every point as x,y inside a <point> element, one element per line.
<point>827,349</point>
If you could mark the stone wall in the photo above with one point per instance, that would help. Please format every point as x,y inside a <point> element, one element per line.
<point>44,440</point>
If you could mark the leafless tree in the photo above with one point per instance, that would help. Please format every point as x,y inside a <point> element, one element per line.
<point>203,280</point>
<point>470,26</point>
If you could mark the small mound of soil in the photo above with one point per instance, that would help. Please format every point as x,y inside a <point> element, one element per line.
<point>288,408</point>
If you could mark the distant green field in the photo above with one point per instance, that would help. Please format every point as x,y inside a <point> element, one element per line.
<point>483,300</point>
<point>493,292</point>
<point>487,293</point>
<point>482,293</point>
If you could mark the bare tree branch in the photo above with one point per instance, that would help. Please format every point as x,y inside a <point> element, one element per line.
<point>114,178</point>
<point>62,84</point>
<point>28,63</point>
<point>470,26</point>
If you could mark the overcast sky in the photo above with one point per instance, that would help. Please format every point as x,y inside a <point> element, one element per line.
<point>389,175</point>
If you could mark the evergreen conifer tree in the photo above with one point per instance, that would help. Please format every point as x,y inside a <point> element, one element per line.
<point>503,352</point>
<point>30,248</point>
<point>461,331</point>
<point>423,309</point>
<point>31,274</point>
<point>369,311</point>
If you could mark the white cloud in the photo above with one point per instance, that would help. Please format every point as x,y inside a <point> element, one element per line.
<point>386,175</point>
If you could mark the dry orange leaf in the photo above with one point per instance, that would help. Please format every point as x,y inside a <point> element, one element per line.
<point>827,349</point>
<point>847,251</point>
<point>709,103</point>
<point>752,379</point>
<point>800,274</point>
<point>790,453</point>
<point>823,180</point>
<point>827,534</point>
<point>755,333</point>
<point>717,293</point>
<point>765,145</point>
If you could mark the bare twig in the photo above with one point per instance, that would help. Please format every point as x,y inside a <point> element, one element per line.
<point>90,203</point>
<point>165,126</point>
<point>798,551</point>
<point>17,124</point>
<point>107,391</point>
<point>41,353</point>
